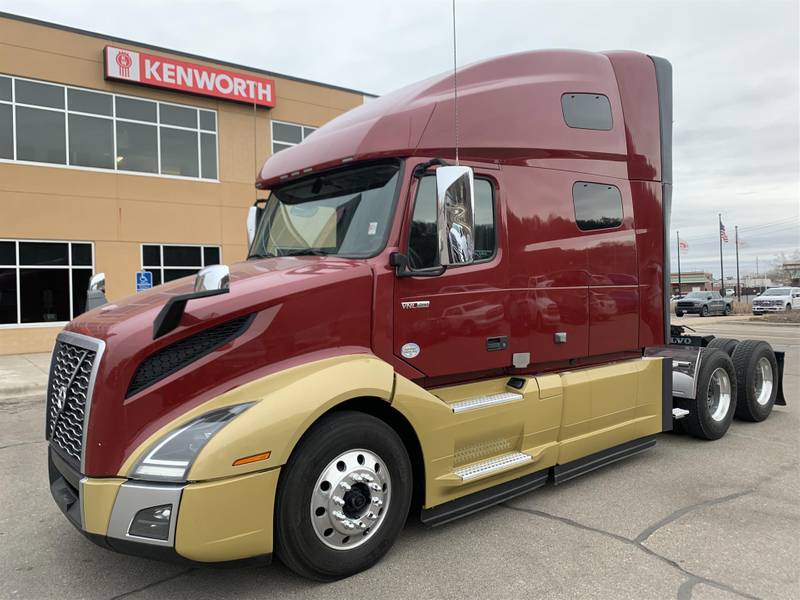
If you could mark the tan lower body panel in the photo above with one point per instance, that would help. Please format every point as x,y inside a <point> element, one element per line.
<point>559,418</point>
<point>98,496</point>
<point>227,519</point>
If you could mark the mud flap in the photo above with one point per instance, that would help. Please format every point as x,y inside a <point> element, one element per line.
<point>780,399</point>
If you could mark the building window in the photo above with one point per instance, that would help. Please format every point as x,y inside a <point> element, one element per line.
<point>423,243</point>
<point>171,261</point>
<point>61,125</point>
<point>286,135</point>
<point>43,281</point>
<point>597,205</point>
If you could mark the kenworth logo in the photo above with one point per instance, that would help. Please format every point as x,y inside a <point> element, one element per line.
<point>159,71</point>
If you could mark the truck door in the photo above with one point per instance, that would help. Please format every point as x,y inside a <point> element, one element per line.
<point>455,322</point>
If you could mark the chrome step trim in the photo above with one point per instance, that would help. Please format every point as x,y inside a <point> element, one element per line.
<point>679,413</point>
<point>487,467</point>
<point>484,401</point>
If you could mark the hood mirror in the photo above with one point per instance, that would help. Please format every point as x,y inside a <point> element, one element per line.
<point>456,215</point>
<point>96,292</point>
<point>213,278</point>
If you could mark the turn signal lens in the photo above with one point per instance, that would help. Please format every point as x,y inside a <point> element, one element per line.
<point>246,460</point>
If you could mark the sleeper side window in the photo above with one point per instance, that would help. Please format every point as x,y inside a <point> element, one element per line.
<point>587,111</point>
<point>423,248</point>
<point>597,205</point>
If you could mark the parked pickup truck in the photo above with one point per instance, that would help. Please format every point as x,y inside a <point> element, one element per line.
<point>415,329</point>
<point>777,300</point>
<point>703,304</point>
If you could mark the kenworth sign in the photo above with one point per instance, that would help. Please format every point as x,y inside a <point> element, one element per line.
<point>162,72</point>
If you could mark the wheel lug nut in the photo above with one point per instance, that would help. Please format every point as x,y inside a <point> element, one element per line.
<point>362,525</point>
<point>349,525</point>
<point>375,487</point>
<point>338,501</point>
<point>339,515</point>
<point>356,477</point>
<point>377,501</point>
<point>345,486</point>
<point>367,478</point>
<point>371,516</point>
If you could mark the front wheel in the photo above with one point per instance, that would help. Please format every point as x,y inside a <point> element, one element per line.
<point>788,308</point>
<point>343,497</point>
<point>704,311</point>
<point>728,310</point>
<point>678,313</point>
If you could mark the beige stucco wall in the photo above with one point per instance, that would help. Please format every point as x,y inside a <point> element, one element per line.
<point>120,211</point>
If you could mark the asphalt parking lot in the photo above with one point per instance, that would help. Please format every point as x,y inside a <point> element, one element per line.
<point>687,519</point>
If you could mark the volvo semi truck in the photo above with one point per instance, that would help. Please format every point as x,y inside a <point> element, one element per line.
<point>426,323</point>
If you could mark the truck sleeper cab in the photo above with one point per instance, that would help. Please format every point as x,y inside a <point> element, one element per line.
<point>408,330</point>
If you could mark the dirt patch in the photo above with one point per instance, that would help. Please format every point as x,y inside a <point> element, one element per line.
<point>793,316</point>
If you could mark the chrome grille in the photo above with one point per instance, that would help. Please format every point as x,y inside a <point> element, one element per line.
<point>69,392</point>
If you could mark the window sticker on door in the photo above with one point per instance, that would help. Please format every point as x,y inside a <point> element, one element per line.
<point>373,228</point>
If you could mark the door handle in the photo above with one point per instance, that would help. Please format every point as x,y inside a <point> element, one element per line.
<point>493,344</point>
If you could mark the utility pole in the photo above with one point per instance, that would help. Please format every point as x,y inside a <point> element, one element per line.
<point>680,286</point>
<point>738,285</point>
<point>721,271</point>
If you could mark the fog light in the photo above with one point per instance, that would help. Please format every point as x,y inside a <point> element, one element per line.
<point>152,522</point>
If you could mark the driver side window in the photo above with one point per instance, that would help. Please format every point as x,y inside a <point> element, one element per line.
<point>423,247</point>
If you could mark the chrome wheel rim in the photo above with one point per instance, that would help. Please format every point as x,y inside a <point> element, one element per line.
<point>764,380</point>
<point>719,394</point>
<point>350,499</point>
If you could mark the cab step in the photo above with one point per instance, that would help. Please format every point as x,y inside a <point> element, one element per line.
<point>491,466</point>
<point>484,401</point>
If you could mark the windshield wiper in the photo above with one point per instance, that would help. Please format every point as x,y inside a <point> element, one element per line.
<point>266,255</point>
<point>307,252</point>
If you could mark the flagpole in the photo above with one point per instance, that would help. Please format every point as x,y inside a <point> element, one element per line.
<point>738,286</point>
<point>721,271</point>
<point>680,287</point>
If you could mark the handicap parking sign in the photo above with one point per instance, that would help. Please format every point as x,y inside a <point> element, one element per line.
<point>144,280</point>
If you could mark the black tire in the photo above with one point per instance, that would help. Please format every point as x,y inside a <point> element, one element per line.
<point>297,544</point>
<point>728,310</point>
<point>699,422</point>
<point>678,313</point>
<point>704,311</point>
<point>746,359</point>
<point>727,345</point>
<point>788,308</point>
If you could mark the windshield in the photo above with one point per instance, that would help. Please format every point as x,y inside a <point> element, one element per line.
<point>777,292</point>
<point>346,212</point>
<point>697,295</point>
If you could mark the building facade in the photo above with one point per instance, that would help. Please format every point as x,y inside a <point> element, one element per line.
<point>691,281</point>
<point>118,157</point>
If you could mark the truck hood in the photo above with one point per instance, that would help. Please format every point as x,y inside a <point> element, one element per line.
<point>298,308</point>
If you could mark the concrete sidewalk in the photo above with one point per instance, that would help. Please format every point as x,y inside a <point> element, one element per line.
<point>24,375</point>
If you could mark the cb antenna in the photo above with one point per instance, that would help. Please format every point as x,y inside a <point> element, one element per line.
<point>455,84</point>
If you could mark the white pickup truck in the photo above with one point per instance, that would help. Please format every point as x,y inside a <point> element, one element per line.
<point>777,300</point>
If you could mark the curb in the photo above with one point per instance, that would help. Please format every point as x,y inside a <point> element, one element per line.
<point>24,390</point>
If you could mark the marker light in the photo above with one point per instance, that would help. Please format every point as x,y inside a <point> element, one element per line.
<point>246,460</point>
<point>170,458</point>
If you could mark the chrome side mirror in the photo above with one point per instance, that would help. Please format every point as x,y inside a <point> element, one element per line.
<point>96,292</point>
<point>455,202</point>
<point>252,224</point>
<point>98,283</point>
<point>213,278</point>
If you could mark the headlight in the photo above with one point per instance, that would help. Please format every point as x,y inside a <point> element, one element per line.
<point>170,458</point>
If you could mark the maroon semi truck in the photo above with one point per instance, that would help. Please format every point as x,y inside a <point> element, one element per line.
<point>418,326</point>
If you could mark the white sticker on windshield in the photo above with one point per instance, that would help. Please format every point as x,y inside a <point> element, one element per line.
<point>373,227</point>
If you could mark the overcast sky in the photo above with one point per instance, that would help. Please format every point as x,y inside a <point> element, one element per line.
<point>736,67</point>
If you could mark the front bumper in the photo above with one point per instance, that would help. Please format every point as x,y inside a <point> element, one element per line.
<point>762,309</point>
<point>689,310</point>
<point>221,521</point>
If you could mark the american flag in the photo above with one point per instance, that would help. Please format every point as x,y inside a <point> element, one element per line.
<point>722,233</point>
